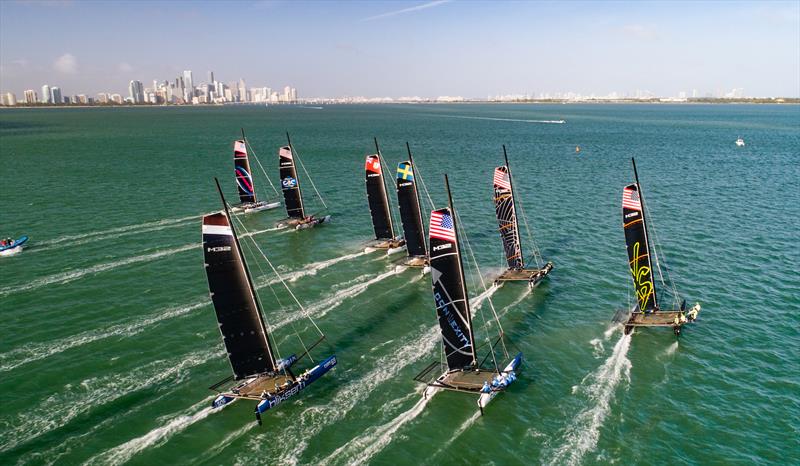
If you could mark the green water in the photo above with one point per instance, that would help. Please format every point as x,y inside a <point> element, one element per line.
<point>108,341</point>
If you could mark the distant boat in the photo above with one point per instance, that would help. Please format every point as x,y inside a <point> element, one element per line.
<point>508,223</point>
<point>257,374</point>
<point>577,149</point>
<point>646,312</point>
<point>462,371</point>
<point>379,207</point>
<point>411,214</point>
<point>10,247</point>
<point>292,195</point>
<point>740,142</point>
<point>249,202</point>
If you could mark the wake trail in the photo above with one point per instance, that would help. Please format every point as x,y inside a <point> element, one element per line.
<point>598,388</point>
<point>36,351</point>
<point>156,437</point>
<point>158,224</point>
<point>65,405</point>
<point>72,243</point>
<point>476,302</point>
<point>314,419</point>
<point>461,429</point>
<point>362,448</point>
<point>517,120</point>
<point>71,275</point>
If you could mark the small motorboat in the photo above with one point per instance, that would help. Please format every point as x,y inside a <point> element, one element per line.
<point>9,247</point>
<point>740,142</point>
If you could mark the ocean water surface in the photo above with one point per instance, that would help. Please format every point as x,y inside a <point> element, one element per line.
<point>108,342</point>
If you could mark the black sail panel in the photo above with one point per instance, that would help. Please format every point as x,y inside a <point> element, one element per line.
<point>638,249</point>
<point>410,215</point>
<point>289,184</point>
<point>244,177</point>
<point>243,332</point>
<point>449,292</point>
<point>376,196</point>
<point>507,218</point>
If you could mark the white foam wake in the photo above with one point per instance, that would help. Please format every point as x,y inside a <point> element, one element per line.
<point>105,234</point>
<point>598,388</point>
<point>71,275</point>
<point>476,302</point>
<point>517,120</point>
<point>461,429</point>
<point>156,437</point>
<point>73,400</point>
<point>313,419</point>
<point>362,448</point>
<point>36,351</point>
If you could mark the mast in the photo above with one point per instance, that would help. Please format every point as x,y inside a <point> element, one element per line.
<point>385,195</point>
<point>461,267</point>
<point>236,304</point>
<point>514,204</point>
<point>416,195</point>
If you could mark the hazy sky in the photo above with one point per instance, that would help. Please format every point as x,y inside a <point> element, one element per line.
<point>406,48</point>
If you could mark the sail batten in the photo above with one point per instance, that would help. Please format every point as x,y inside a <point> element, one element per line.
<point>638,248</point>
<point>244,176</point>
<point>506,214</point>
<point>377,199</point>
<point>449,291</point>
<point>410,213</point>
<point>292,196</point>
<point>244,334</point>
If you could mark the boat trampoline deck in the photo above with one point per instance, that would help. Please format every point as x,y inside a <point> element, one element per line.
<point>656,319</point>
<point>263,383</point>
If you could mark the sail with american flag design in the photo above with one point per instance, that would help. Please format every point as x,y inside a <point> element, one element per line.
<point>638,247</point>
<point>506,214</point>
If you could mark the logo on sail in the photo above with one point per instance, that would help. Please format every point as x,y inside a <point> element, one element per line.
<point>405,172</point>
<point>289,182</point>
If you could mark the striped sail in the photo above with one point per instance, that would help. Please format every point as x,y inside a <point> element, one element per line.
<point>244,177</point>
<point>243,332</point>
<point>507,218</point>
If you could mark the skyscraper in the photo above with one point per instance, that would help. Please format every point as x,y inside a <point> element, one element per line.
<point>55,95</point>
<point>188,89</point>
<point>136,92</point>
<point>46,99</point>
<point>9,99</point>
<point>30,96</point>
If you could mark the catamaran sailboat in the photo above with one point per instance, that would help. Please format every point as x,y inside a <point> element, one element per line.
<point>646,312</point>
<point>461,370</point>
<point>244,181</point>
<point>411,214</point>
<point>292,196</point>
<point>258,374</point>
<point>379,208</point>
<point>507,220</point>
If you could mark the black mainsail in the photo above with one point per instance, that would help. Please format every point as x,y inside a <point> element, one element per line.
<point>376,196</point>
<point>636,240</point>
<point>244,176</point>
<point>449,291</point>
<point>506,213</point>
<point>410,213</point>
<point>238,312</point>
<point>293,198</point>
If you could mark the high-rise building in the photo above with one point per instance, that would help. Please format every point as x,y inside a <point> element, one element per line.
<point>9,99</point>
<point>242,91</point>
<point>211,77</point>
<point>188,89</point>
<point>30,96</point>
<point>116,98</point>
<point>287,93</point>
<point>46,99</point>
<point>55,95</point>
<point>136,92</point>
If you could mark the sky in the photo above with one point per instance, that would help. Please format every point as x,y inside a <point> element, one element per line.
<point>406,48</point>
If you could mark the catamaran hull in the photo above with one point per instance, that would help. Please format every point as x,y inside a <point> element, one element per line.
<point>302,382</point>
<point>508,376</point>
<point>257,207</point>
<point>674,319</point>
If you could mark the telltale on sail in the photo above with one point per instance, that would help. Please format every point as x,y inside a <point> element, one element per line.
<point>508,223</point>
<point>646,312</point>
<point>461,369</point>
<point>258,374</point>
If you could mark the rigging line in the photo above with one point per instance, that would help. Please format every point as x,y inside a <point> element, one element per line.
<point>255,293</point>
<point>278,299</point>
<point>261,167</point>
<point>418,174</point>
<point>283,282</point>
<point>483,284</point>
<point>669,283</point>
<point>537,254</point>
<point>395,234</point>
<point>311,180</point>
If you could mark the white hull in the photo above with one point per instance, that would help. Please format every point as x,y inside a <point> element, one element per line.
<point>11,251</point>
<point>391,251</point>
<point>271,205</point>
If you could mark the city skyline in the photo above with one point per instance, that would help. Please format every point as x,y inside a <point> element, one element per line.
<point>396,49</point>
